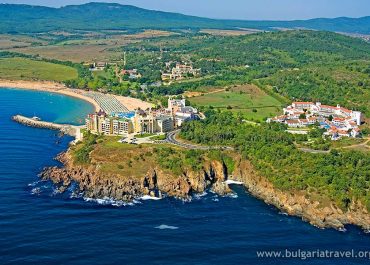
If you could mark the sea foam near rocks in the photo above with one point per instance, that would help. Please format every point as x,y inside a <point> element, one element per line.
<point>109,201</point>
<point>148,197</point>
<point>234,182</point>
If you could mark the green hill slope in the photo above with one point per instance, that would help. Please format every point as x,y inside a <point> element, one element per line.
<point>103,16</point>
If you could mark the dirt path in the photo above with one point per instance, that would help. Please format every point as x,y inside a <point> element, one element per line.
<point>359,145</point>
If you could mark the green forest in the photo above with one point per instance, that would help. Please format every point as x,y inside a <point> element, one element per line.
<point>301,65</point>
<point>342,176</point>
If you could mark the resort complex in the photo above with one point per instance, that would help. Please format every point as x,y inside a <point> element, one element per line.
<point>337,121</point>
<point>140,121</point>
<point>179,72</point>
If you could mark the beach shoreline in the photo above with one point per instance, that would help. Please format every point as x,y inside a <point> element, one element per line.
<point>48,86</point>
<point>54,87</point>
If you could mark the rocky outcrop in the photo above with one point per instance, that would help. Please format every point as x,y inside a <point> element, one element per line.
<point>299,203</point>
<point>155,183</point>
<point>213,176</point>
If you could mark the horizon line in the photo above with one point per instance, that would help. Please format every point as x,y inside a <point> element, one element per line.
<point>185,14</point>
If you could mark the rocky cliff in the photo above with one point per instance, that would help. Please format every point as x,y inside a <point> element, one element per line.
<point>300,203</point>
<point>212,176</point>
<point>155,182</point>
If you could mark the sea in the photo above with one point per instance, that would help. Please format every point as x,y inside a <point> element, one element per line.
<point>38,225</point>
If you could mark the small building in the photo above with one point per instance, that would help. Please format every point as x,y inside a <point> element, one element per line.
<point>132,74</point>
<point>180,71</point>
<point>293,123</point>
<point>98,66</point>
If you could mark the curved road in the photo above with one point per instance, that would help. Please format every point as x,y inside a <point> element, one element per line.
<point>171,138</point>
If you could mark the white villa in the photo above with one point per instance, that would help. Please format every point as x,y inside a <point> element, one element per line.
<point>338,121</point>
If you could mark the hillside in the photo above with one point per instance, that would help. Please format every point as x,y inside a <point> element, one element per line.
<point>103,16</point>
<point>304,65</point>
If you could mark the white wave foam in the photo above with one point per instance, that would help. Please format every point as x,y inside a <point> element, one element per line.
<point>232,195</point>
<point>109,201</point>
<point>162,227</point>
<point>56,191</point>
<point>148,197</point>
<point>200,195</point>
<point>33,184</point>
<point>36,191</point>
<point>76,195</point>
<point>136,202</point>
<point>230,181</point>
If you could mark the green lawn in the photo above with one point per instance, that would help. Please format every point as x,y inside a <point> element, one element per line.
<point>27,69</point>
<point>252,103</point>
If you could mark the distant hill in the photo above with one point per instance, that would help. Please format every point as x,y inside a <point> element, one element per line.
<point>106,16</point>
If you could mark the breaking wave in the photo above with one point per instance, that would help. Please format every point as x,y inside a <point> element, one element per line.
<point>169,227</point>
<point>148,197</point>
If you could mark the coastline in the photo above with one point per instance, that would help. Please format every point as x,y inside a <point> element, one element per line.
<point>100,186</point>
<point>214,176</point>
<point>47,86</point>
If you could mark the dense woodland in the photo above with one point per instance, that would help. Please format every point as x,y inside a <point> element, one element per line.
<point>341,176</point>
<point>304,65</point>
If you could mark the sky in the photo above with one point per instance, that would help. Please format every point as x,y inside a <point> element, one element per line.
<point>237,9</point>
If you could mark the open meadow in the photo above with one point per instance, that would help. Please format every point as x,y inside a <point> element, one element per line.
<point>251,101</point>
<point>26,69</point>
<point>77,46</point>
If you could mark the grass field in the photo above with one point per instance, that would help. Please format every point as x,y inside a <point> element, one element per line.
<point>81,47</point>
<point>26,69</point>
<point>126,159</point>
<point>225,32</point>
<point>251,101</point>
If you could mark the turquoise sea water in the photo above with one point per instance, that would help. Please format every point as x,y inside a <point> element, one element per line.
<point>40,226</point>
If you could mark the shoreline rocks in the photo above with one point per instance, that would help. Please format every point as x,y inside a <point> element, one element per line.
<point>153,183</point>
<point>299,203</point>
<point>213,176</point>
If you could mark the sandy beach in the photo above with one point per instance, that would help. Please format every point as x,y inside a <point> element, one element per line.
<point>130,103</point>
<point>48,86</point>
<point>134,103</point>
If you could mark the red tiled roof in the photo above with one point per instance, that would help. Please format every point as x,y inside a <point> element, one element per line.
<point>292,121</point>
<point>302,103</point>
<point>345,110</point>
<point>328,107</point>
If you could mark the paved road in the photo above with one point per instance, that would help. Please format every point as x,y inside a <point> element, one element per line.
<point>171,138</point>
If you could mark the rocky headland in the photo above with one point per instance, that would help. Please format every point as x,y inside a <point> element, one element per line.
<point>155,182</point>
<point>213,175</point>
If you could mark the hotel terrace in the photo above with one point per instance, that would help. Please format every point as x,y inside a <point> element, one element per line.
<point>142,121</point>
<point>338,121</point>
